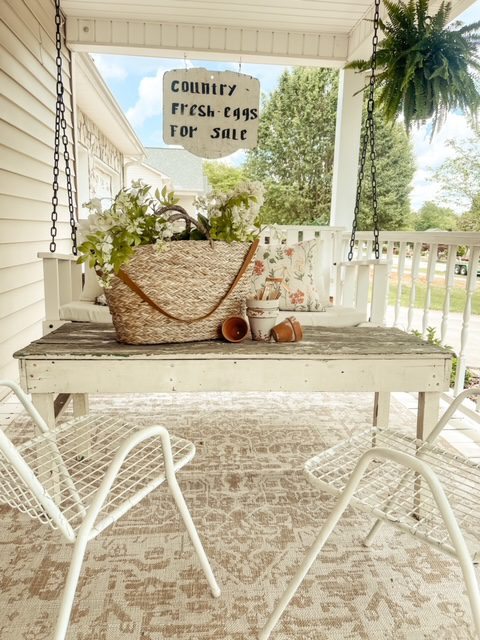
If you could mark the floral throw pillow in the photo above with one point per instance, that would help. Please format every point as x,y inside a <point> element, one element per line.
<point>298,265</point>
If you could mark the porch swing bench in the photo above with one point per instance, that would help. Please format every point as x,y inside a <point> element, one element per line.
<point>70,293</point>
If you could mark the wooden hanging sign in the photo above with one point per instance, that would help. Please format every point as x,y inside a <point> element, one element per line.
<point>210,113</point>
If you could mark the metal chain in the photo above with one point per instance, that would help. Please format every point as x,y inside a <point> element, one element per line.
<point>369,138</point>
<point>61,132</point>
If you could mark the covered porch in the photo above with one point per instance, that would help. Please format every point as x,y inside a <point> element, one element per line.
<point>253,507</point>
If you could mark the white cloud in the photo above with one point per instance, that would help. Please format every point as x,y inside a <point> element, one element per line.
<point>150,99</point>
<point>150,93</point>
<point>109,67</point>
<point>234,159</point>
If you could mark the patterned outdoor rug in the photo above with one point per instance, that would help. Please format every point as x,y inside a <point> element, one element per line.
<point>256,514</point>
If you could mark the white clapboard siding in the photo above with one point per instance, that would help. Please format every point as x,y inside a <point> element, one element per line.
<point>28,81</point>
<point>10,325</point>
<point>12,255</point>
<point>17,276</point>
<point>26,121</point>
<point>15,300</point>
<point>14,231</point>
<point>16,341</point>
<point>19,208</point>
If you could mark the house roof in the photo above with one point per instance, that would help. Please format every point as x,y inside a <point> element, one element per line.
<point>184,169</point>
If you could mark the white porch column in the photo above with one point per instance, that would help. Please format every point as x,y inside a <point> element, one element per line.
<point>347,145</point>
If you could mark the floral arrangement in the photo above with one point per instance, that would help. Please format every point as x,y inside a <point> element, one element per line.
<point>137,217</point>
<point>232,216</point>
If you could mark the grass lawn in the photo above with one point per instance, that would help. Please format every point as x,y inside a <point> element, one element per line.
<point>457,297</point>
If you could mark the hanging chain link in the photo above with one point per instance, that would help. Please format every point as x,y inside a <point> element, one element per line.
<point>368,139</point>
<point>61,133</point>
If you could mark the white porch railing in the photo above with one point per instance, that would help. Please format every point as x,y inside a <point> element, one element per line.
<point>430,261</point>
<point>426,264</point>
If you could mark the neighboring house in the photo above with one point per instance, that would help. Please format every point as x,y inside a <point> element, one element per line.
<point>106,144</point>
<point>143,171</point>
<point>185,170</point>
<point>103,143</point>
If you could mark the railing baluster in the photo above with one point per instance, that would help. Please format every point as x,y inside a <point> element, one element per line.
<point>449,280</point>
<point>432,260</point>
<point>470,289</point>
<point>414,276</point>
<point>400,274</point>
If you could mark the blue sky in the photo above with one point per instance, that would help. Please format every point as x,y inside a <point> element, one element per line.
<point>136,83</point>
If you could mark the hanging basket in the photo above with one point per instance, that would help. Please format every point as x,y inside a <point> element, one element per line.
<point>181,294</point>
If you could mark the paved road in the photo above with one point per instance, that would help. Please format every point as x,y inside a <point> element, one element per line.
<point>453,337</point>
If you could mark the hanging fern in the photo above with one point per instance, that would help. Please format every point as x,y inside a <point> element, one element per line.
<point>426,68</point>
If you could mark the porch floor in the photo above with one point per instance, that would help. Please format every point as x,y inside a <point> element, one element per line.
<point>256,514</point>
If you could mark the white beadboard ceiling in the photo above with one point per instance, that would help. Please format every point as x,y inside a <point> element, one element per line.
<point>333,16</point>
<point>346,20</point>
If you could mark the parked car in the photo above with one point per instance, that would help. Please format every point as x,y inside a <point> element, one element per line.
<point>461,268</point>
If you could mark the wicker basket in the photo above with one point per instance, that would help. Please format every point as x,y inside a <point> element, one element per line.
<point>177,295</point>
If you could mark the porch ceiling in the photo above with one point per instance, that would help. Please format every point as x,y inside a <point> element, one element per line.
<point>312,31</point>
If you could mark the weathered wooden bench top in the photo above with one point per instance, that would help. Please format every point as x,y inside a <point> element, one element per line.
<point>83,340</point>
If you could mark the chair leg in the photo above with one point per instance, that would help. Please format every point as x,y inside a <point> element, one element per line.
<point>309,559</point>
<point>70,588</point>
<point>464,558</point>
<point>471,583</point>
<point>379,523</point>
<point>373,532</point>
<point>192,532</point>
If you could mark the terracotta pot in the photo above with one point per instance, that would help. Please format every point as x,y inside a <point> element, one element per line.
<point>290,330</point>
<point>234,329</point>
<point>262,315</point>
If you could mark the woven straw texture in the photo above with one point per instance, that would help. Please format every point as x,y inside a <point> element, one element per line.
<point>187,280</point>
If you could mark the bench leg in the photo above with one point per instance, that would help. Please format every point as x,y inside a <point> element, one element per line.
<point>44,403</point>
<point>381,409</point>
<point>81,408</point>
<point>427,415</point>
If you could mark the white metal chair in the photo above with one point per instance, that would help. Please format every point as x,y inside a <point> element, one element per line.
<point>46,479</point>
<point>417,486</point>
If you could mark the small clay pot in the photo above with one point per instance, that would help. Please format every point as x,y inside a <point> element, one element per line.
<point>290,330</point>
<point>234,329</point>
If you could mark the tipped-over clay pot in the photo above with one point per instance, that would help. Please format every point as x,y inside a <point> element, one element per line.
<point>289,330</point>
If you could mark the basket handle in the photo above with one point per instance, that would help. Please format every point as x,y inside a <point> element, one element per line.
<point>183,215</point>
<point>125,278</point>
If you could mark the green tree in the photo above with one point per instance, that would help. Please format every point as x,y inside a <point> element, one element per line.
<point>395,166</point>
<point>432,216</point>
<point>470,221</point>
<point>294,157</point>
<point>223,178</point>
<point>459,175</point>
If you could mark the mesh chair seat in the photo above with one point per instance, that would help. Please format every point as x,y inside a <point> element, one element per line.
<point>142,471</point>
<point>394,494</point>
